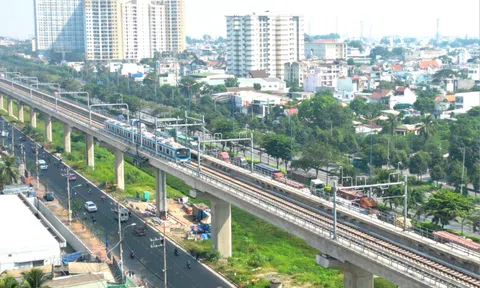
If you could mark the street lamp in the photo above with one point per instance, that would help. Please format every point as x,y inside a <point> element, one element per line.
<point>121,232</point>
<point>398,166</point>
<point>69,197</point>
<point>341,175</point>
<point>188,85</point>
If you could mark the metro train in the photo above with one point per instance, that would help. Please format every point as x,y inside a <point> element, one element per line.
<point>165,146</point>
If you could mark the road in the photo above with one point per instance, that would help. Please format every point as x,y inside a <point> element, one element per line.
<point>148,261</point>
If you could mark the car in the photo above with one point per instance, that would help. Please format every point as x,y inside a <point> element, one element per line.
<point>72,177</point>
<point>90,206</point>
<point>139,231</point>
<point>22,138</point>
<point>42,164</point>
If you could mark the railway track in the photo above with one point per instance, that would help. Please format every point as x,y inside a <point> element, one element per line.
<point>344,230</point>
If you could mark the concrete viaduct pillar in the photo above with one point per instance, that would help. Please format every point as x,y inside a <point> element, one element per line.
<point>33,117</point>
<point>161,192</point>
<point>119,169</point>
<point>1,102</point>
<point>221,226</point>
<point>20,111</point>
<point>48,128</point>
<point>353,276</point>
<point>90,152</point>
<point>66,138</point>
<point>10,106</point>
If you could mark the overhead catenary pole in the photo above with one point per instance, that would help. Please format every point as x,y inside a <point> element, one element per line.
<point>405,203</point>
<point>251,152</point>
<point>334,190</point>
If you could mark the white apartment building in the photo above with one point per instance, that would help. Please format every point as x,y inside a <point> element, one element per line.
<point>175,25</point>
<point>103,30</point>
<point>326,49</point>
<point>466,101</point>
<point>474,72</point>
<point>295,72</point>
<point>143,25</point>
<point>59,25</point>
<point>263,42</point>
<point>319,77</point>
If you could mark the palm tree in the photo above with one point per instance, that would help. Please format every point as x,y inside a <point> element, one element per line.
<point>8,171</point>
<point>35,278</point>
<point>392,123</point>
<point>429,127</point>
<point>9,282</point>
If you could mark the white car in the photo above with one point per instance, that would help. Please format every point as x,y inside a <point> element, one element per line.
<point>90,206</point>
<point>42,164</point>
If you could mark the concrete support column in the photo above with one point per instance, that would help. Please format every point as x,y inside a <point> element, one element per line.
<point>90,153</point>
<point>221,227</point>
<point>119,169</point>
<point>10,106</point>
<point>20,111</point>
<point>66,138</point>
<point>2,107</point>
<point>353,276</point>
<point>161,192</point>
<point>48,128</point>
<point>33,117</point>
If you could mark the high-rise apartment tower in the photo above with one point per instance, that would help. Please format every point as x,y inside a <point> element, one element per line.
<point>263,42</point>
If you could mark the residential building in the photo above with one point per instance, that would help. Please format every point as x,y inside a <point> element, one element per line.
<point>103,30</point>
<point>326,49</point>
<point>59,25</point>
<point>424,54</point>
<point>429,65</point>
<point>462,57</point>
<point>263,42</point>
<point>474,72</point>
<point>381,96</point>
<point>319,77</point>
<point>175,25</point>
<point>367,128</point>
<point>444,103</point>
<point>295,72</point>
<point>168,65</point>
<point>404,129</point>
<point>466,101</point>
<point>266,84</point>
<point>300,96</point>
<point>474,51</point>
<point>403,95</point>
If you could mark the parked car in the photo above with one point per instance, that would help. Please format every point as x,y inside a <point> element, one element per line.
<point>42,164</point>
<point>72,177</point>
<point>90,206</point>
<point>49,196</point>
<point>139,231</point>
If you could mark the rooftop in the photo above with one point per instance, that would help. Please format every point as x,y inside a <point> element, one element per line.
<point>23,228</point>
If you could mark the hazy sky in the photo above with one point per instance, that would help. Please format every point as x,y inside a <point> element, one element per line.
<point>405,17</point>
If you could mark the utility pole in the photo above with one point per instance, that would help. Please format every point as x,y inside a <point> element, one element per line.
<point>334,190</point>
<point>463,169</point>
<point>405,203</point>
<point>13,141</point>
<point>121,240</point>
<point>164,244</point>
<point>36,165</point>
<point>68,191</point>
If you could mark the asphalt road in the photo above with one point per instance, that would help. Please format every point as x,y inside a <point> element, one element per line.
<point>148,261</point>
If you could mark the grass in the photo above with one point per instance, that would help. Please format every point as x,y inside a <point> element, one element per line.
<point>258,247</point>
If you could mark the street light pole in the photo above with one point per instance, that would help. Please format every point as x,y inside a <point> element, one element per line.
<point>334,189</point>
<point>36,166</point>
<point>405,203</point>
<point>463,169</point>
<point>68,191</point>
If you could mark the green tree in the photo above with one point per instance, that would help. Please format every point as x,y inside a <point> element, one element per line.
<point>318,155</point>
<point>278,146</point>
<point>424,104</point>
<point>295,88</point>
<point>398,51</point>
<point>35,278</point>
<point>8,171</point>
<point>9,282</point>
<point>350,61</point>
<point>232,82</point>
<point>429,127</point>
<point>257,86</point>
<point>455,175</point>
<point>444,206</point>
<point>419,163</point>
<point>356,44</point>
<point>474,176</point>
<point>437,173</point>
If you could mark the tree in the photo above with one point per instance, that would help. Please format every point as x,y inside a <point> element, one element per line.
<point>424,104</point>
<point>35,278</point>
<point>9,282</point>
<point>317,155</point>
<point>356,44</point>
<point>429,127</point>
<point>350,61</point>
<point>437,173</point>
<point>475,176</point>
<point>444,206</point>
<point>419,163</point>
<point>257,86</point>
<point>445,73</point>
<point>278,146</point>
<point>232,82</point>
<point>295,88</point>
<point>398,51</point>
<point>8,171</point>
<point>455,174</point>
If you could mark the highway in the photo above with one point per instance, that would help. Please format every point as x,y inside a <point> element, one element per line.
<point>148,261</point>
<point>323,223</point>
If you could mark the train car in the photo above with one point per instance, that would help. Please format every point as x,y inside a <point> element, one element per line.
<point>162,145</point>
<point>268,170</point>
<point>447,237</point>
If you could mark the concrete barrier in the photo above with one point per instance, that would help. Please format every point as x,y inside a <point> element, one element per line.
<point>71,238</point>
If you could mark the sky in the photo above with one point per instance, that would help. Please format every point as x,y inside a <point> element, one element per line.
<point>415,18</point>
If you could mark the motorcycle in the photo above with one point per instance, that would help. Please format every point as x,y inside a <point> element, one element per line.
<point>132,255</point>
<point>175,252</point>
<point>189,265</point>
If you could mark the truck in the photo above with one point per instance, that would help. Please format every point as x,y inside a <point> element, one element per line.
<point>317,187</point>
<point>224,157</point>
<point>358,198</point>
<point>240,162</point>
<point>124,214</point>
